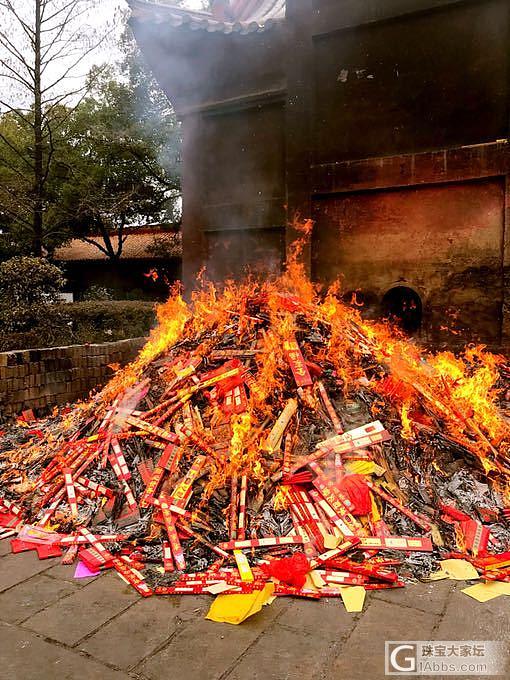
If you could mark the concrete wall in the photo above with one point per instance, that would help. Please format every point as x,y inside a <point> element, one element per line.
<point>37,378</point>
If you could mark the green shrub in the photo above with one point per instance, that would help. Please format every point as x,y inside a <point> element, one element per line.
<point>97,293</point>
<point>85,322</point>
<point>109,320</point>
<point>28,287</point>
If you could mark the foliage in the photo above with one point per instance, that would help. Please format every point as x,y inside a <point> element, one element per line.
<point>109,320</point>
<point>84,322</point>
<point>28,287</point>
<point>43,46</point>
<point>97,293</point>
<point>122,165</point>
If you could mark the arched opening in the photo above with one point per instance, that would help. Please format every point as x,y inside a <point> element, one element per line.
<point>403,306</point>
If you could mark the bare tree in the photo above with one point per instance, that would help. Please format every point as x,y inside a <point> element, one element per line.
<point>45,47</point>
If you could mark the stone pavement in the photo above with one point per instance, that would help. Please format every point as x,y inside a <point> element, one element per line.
<point>52,626</point>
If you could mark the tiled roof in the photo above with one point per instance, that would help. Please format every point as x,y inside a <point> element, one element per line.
<point>245,16</point>
<point>146,244</point>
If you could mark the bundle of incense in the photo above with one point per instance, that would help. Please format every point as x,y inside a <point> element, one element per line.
<point>287,454</point>
<point>235,400</point>
<point>215,548</point>
<point>241,522</point>
<point>219,355</point>
<point>74,539</point>
<point>342,577</point>
<point>97,489</point>
<point>337,425</point>
<point>359,438</point>
<point>491,562</point>
<point>297,363</point>
<point>497,575</point>
<point>340,503</point>
<point>302,495</point>
<point>51,509</point>
<point>117,460</point>
<point>283,589</point>
<point>70,555</point>
<point>201,588</point>
<point>341,549</point>
<point>171,411</point>
<point>405,543</point>
<point>170,456</point>
<point>383,586</point>
<point>70,491</point>
<point>130,498</point>
<point>307,517</point>
<point>333,518</point>
<point>195,439</point>
<point>232,523</point>
<point>274,438</point>
<point>421,522</point>
<point>365,569</point>
<point>156,431</point>
<point>168,563</point>
<point>476,536</point>
<point>237,372</point>
<point>145,468</point>
<point>131,576</point>
<point>182,492</point>
<point>261,542</point>
<point>301,530</point>
<point>10,506</point>
<point>173,538</point>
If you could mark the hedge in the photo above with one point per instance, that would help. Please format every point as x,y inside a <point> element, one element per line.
<point>84,322</point>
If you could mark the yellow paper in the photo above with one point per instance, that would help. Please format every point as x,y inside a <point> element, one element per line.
<point>218,588</point>
<point>331,542</point>
<point>243,566</point>
<point>459,570</point>
<point>317,579</point>
<point>360,467</point>
<point>376,515</point>
<point>483,592</point>
<point>236,608</point>
<point>353,598</point>
<point>438,575</point>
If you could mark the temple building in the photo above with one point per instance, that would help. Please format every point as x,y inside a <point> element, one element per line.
<point>385,121</point>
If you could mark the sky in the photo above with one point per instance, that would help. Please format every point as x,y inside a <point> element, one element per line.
<point>101,21</point>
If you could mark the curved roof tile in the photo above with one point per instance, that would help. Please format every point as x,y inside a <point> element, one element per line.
<point>249,16</point>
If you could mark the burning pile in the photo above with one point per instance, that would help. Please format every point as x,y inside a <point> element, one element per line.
<point>266,434</point>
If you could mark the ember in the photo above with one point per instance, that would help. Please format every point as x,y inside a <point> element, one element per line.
<point>267,433</point>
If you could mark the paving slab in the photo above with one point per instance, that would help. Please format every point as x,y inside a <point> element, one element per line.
<point>283,652</point>
<point>29,597</point>
<point>207,650</point>
<point>310,616</point>
<point>140,630</point>
<point>428,597</point>
<point>66,572</point>
<point>361,657</point>
<point>80,614</point>
<point>17,568</point>
<point>5,547</point>
<point>467,619</point>
<point>25,656</point>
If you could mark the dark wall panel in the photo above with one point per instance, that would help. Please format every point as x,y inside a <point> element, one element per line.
<point>422,81</point>
<point>232,254</point>
<point>243,157</point>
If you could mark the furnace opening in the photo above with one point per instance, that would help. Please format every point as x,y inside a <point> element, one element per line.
<point>403,305</point>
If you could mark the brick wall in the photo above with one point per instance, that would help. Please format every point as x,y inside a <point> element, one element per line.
<point>36,378</point>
